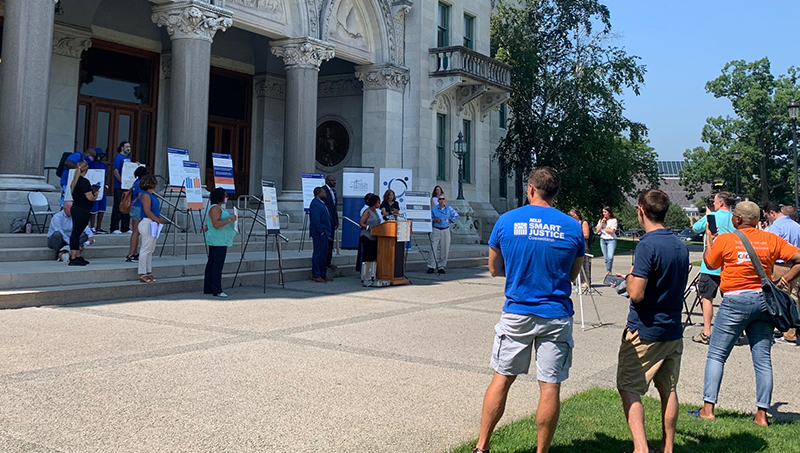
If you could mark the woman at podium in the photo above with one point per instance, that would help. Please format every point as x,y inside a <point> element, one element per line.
<point>369,243</point>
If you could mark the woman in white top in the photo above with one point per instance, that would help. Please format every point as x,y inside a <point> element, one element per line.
<point>607,229</point>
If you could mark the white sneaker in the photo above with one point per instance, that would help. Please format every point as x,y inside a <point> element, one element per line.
<point>116,232</point>
<point>94,231</point>
<point>221,295</point>
<point>129,232</point>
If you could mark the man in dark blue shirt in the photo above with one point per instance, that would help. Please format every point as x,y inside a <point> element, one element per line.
<point>652,343</point>
<point>540,252</point>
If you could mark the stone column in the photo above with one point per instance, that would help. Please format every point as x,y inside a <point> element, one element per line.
<point>269,124</point>
<point>382,120</point>
<point>302,57</point>
<point>191,25</point>
<point>69,43</point>
<point>25,76</point>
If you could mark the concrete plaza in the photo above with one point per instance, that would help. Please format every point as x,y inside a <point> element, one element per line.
<point>313,367</point>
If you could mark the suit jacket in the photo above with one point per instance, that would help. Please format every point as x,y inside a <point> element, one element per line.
<point>319,220</point>
<point>332,206</point>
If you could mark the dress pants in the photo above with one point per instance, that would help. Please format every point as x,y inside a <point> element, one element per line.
<point>147,247</point>
<point>330,253</point>
<point>440,248</point>
<point>116,216</point>
<point>212,284</point>
<point>318,268</point>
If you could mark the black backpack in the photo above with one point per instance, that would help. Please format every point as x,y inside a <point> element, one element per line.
<point>60,168</point>
<point>592,235</point>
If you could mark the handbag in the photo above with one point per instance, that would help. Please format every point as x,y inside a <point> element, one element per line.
<point>780,305</point>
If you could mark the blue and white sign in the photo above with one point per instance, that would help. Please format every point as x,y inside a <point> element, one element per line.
<point>397,179</point>
<point>175,159</point>
<point>223,172</point>
<point>310,182</point>
<point>356,182</point>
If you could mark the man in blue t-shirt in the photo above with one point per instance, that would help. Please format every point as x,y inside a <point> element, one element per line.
<point>70,164</point>
<point>540,252</point>
<point>652,342</point>
<point>123,155</point>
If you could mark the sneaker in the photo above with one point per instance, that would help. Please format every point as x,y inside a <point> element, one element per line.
<point>220,295</point>
<point>136,257</point>
<point>77,262</point>
<point>431,270</point>
<point>83,260</point>
<point>101,231</point>
<point>701,338</point>
<point>785,341</point>
<point>478,450</point>
<point>116,232</point>
<point>94,231</point>
<point>132,258</point>
<point>128,232</point>
<point>441,271</point>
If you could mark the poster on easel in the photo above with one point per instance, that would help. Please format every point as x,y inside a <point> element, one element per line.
<point>418,210</point>
<point>175,159</point>
<point>223,172</point>
<point>399,180</point>
<point>310,182</point>
<point>356,183</point>
<point>270,198</point>
<point>128,177</point>
<point>193,185</point>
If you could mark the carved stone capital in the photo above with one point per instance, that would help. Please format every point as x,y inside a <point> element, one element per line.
<point>270,87</point>
<point>192,19</point>
<point>383,76</point>
<point>307,53</point>
<point>401,7</point>
<point>70,41</point>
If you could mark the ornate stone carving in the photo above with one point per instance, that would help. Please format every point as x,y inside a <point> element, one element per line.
<point>336,86</point>
<point>270,87</point>
<point>441,85</point>
<point>400,8</point>
<point>192,19</point>
<point>378,77</point>
<point>273,6</point>
<point>491,100</point>
<point>166,66</point>
<point>306,52</point>
<point>70,42</point>
<point>348,26</point>
<point>313,13</point>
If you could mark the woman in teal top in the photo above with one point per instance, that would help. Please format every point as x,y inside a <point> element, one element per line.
<point>219,236</point>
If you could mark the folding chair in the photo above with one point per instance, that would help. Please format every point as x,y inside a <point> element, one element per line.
<point>38,206</point>
<point>691,292</point>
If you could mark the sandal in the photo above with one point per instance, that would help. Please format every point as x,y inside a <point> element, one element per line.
<point>143,278</point>
<point>151,278</point>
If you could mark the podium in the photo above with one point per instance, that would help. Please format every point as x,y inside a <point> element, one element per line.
<point>392,237</point>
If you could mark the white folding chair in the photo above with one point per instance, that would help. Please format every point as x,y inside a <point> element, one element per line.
<point>38,206</point>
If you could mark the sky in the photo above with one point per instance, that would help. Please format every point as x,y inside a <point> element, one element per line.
<point>684,44</point>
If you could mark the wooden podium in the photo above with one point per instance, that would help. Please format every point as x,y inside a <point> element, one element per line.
<point>391,253</point>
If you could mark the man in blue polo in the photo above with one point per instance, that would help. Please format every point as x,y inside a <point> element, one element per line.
<point>708,283</point>
<point>540,252</point>
<point>442,217</point>
<point>785,227</point>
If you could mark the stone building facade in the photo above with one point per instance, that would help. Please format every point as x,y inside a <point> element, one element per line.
<point>284,86</point>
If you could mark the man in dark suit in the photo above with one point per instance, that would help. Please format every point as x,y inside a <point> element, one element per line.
<point>331,200</point>
<point>321,231</point>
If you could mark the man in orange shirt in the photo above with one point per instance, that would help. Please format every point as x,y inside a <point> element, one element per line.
<point>743,307</point>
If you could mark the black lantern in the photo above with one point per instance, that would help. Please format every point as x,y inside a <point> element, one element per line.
<point>459,152</point>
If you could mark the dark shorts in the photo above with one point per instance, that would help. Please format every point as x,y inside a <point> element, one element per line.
<point>707,286</point>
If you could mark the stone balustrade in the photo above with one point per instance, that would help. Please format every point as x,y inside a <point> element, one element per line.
<point>458,60</point>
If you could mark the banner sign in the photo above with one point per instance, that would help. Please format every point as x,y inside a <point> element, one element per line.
<point>270,198</point>
<point>128,168</point>
<point>356,182</point>
<point>97,176</point>
<point>175,159</point>
<point>310,182</point>
<point>418,210</point>
<point>193,185</point>
<point>223,172</point>
<point>399,180</point>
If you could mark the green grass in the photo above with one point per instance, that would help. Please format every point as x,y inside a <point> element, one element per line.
<point>593,422</point>
<point>623,246</point>
<point>697,263</point>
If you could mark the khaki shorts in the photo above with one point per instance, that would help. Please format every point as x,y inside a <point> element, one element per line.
<point>642,362</point>
<point>518,336</point>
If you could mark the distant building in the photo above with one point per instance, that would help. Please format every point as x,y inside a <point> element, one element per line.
<point>668,172</point>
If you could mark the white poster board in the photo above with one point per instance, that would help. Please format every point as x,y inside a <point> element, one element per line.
<point>193,185</point>
<point>68,190</point>
<point>97,176</point>
<point>128,169</point>
<point>399,180</point>
<point>310,182</point>
<point>175,159</point>
<point>270,199</point>
<point>357,182</point>
<point>223,172</point>
<point>418,210</point>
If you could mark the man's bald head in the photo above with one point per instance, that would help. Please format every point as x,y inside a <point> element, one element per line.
<point>68,208</point>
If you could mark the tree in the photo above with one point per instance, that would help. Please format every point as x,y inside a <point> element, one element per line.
<point>676,218</point>
<point>759,130</point>
<point>565,98</point>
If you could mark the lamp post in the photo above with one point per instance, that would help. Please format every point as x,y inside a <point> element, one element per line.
<point>459,152</point>
<point>736,158</point>
<point>793,110</point>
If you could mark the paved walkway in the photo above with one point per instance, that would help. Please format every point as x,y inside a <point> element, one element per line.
<point>309,368</point>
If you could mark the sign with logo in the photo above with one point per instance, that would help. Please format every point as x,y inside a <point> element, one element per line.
<point>399,180</point>
<point>193,185</point>
<point>175,159</point>
<point>223,172</point>
<point>356,182</point>
<point>310,182</point>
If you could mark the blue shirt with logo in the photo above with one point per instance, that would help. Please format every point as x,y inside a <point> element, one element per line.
<point>539,245</point>
<point>724,225</point>
<point>663,260</point>
<point>119,161</point>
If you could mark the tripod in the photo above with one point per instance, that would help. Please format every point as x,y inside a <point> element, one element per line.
<point>582,277</point>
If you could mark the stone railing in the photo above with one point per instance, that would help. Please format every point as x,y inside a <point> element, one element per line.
<point>462,61</point>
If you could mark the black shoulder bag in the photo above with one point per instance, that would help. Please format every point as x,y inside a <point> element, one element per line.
<point>780,305</point>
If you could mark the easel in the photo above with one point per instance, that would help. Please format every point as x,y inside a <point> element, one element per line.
<point>176,209</point>
<point>582,277</point>
<point>303,231</point>
<point>278,237</point>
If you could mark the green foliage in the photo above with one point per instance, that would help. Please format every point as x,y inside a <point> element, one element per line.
<point>676,217</point>
<point>626,216</point>
<point>593,422</point>
<point>759,130</point>
<point>565,99</point>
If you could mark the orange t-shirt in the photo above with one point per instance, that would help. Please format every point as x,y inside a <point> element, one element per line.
<point>738,272</point>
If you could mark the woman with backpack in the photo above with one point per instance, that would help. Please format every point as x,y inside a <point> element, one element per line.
<point>589,238</point>
<point>136,215</point>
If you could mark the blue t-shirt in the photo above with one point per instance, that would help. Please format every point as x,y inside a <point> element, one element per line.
<point>663,260</point>
<point>539,245</point>
<point>136,199</point>
<point>119,160</point>
<point>74,158</point>
<point>724,225</point>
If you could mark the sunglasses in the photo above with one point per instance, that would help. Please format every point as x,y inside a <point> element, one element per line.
<point>443,198</point>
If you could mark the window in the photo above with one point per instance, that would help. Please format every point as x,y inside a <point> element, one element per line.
<point>441,147</point>
<point>468,148</point>
<point>469,31</point>
<point>503,117</point>
<point>503,192</point>
<point>443,26</point>
<point>108,74</point>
